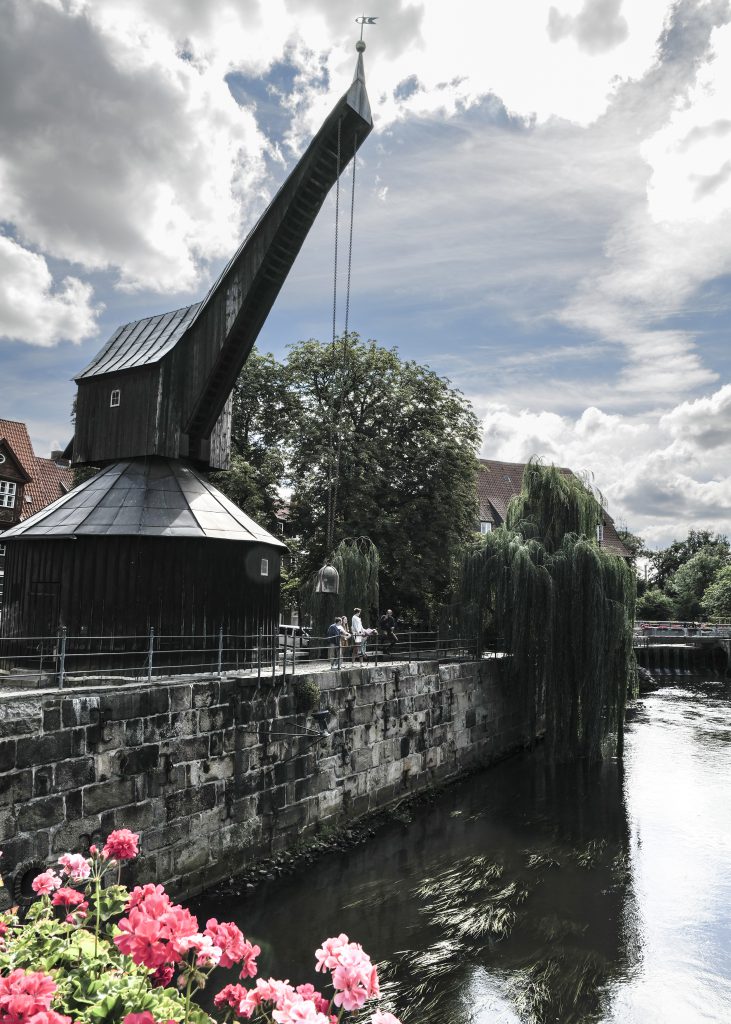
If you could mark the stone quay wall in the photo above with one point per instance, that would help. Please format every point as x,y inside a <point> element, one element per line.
<point>217,773</point>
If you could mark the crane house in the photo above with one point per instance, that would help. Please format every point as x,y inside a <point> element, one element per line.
<point>148,542</point>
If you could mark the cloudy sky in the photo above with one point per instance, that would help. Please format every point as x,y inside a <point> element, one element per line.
<point>542,211</point>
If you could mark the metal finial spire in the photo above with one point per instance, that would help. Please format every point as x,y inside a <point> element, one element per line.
<point>364,20</point>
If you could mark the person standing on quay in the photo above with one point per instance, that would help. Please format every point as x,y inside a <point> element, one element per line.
<point>388,625</point>
<point>359,635</point>
<point>334,634</point>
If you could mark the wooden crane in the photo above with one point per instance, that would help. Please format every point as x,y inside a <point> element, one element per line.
<point>161,386</point>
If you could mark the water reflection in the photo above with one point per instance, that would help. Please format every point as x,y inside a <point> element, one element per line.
<point>574,894</point>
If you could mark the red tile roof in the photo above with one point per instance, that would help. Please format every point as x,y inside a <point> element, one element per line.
<point>498,482</point>
<point>48,481</point>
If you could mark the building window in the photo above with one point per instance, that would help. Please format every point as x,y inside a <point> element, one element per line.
<point>485,526</point>
<point>265,567</point>
<point>114,399</point>
<point>7,494</point>
<point>600,533</point>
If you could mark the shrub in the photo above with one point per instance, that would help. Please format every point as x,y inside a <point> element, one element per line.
<point>306,695</point>
<point>91,952</point>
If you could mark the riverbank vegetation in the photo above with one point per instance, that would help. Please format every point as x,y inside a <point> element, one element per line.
<point>688,580</point>
<point>562,607</point>
<point>91,952</point>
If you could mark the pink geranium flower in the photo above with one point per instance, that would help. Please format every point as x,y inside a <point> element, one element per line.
<point>327,955</point>
<point>139,1018</point>
<point>383,1017</point>
<point>143,892</point>
<point>121,845</point>
<point>230,995</point>
<point>74,866</point>
<point>25,995</point>
<point>249,966</point>
<point>45,883</point>
<point>48,1017</point>
<point>162,976</point>
<point>229,938</point>
<point>300,1012</point>
<point>65,897</point>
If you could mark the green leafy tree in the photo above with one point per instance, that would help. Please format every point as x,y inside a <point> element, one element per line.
<point>262,403</point>
<point>691,580</point>
<point>399,444</point>
<point>655,606</point>
<point>666,562</point>
<point>716,600</point>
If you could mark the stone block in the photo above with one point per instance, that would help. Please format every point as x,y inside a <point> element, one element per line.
<point>51,718</point>
<point>79,711</point>
<point>188,802</point>
<point>158,728</point>
<point>134,732</point>
<point>73,804</point>
<point>31,846</point>
<point>36,750</point>
<point>213,719</point>
<point>16,786</point>
<point>75,772</point>
<point>105,795</point>
<point>180,697</point>
<point>140,759</point>
<point>21,716</point>
<point>42,813</point>
<point>74,836</point>
<point>205,694</point>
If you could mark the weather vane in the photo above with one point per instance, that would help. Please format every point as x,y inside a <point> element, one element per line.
<point>364,20</point>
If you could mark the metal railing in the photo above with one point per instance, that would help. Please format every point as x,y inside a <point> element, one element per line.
<point>645,629</point>
<point>63,660</point>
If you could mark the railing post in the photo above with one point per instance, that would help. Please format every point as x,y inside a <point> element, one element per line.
<point>284,660</point>
<point>275,638</point>
<point>220,650</point>
<point>150,654</point>
<point>61,656</point>
<point>409,645</point>
<point>258,656</point>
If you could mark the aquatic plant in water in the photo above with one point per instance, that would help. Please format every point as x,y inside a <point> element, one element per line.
<point>91,952</point>
<point>564,608</point>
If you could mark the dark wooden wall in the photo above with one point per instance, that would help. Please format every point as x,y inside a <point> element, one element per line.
<point>119,585</point>
<point>104,434</point>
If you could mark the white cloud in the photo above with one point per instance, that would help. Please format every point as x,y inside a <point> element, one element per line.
<point>661,473</point>
<point>597,28</point>
<point>117,153</point>
<point>31,309</point>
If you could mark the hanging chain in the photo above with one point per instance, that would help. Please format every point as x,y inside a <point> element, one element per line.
<point>346,338</point>
<point>350,238</point>
<point>331,441</point>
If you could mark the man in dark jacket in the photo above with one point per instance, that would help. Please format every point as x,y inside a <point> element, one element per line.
<point>388,637</point>
<point>334,632</point>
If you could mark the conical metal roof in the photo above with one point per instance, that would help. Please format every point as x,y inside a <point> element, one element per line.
<point>147,498</point>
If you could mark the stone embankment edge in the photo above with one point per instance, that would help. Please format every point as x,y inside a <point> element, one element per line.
<point>221,774</point>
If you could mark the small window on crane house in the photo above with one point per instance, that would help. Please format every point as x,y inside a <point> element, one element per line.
<point>600,533</point>
<point>114,398</point>
<point>265,567</point>
<point>485,526</point>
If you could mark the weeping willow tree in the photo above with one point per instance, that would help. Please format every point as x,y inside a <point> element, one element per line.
<point>564,608</point>
<point>357,562</point>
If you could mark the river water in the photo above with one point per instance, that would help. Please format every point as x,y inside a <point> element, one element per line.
<point>530,894</point>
